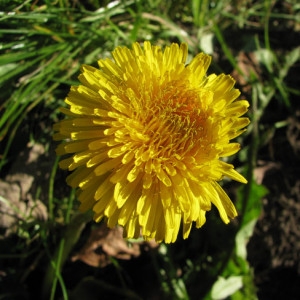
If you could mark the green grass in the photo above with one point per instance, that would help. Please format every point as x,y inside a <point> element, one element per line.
<point>42,46</point>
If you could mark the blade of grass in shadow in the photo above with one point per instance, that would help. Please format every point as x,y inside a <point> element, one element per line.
<point>226,49</point>
<point>51,189</point>
<point>57,260</point>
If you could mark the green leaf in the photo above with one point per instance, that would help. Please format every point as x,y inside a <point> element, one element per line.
<point>267,58</point>
<point>225,287</point>
<point>254,204</point>
<point>242,238</point>
<point>206,43</point>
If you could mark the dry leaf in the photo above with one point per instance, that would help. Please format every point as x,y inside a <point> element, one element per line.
<point>103,243</point>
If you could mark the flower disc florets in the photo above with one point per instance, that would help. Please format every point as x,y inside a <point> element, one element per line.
<point>147,133</point>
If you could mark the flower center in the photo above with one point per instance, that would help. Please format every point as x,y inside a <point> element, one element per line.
<point>175,122</point>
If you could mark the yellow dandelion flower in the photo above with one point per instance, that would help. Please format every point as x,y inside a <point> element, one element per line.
<point>147,133</point>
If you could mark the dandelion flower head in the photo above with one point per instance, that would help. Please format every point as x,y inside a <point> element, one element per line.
<point>145,135</point>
